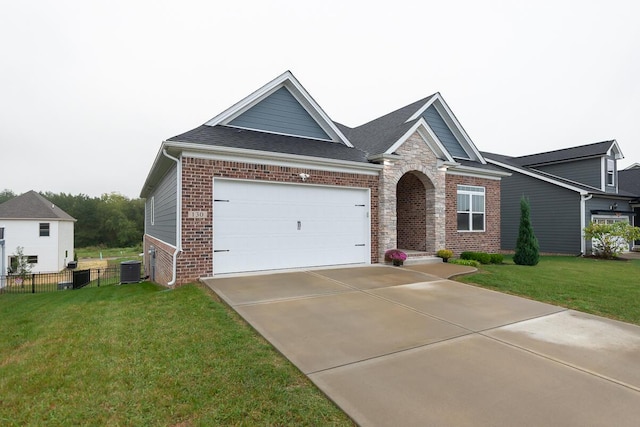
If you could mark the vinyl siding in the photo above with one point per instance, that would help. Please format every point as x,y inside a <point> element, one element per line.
<point>164,199</point>
<point>611,188</point>
<point>443,133</point>
<point>555,214</point>
<point>281,113</point>
<point>587,171</point>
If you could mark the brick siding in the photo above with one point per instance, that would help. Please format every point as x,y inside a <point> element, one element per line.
<point>483,241</point>
<point>412,213</point>
<point>196,259</point>
<point>159,270</point>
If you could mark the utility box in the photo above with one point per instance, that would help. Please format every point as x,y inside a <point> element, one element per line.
<point>130,271</point>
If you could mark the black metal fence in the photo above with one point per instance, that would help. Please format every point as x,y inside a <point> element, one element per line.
<point>64,280</point>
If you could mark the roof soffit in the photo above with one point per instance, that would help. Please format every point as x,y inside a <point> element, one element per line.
<point>288,81</point>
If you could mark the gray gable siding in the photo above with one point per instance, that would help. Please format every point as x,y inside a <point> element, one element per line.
<point>443,133</point>
<point>585,171</point>
<point>555,214</point>
<point>164,199</point>
<point>281,113</point>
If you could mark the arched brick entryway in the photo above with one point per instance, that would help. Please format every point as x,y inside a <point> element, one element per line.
<point>415,201</point>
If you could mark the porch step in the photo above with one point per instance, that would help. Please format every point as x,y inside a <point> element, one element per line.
<point>422,259</point>
<point>419,257</point>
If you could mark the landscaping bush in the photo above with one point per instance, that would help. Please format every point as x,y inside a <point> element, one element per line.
<point>444,254</point>
<point>497,258</point>
<point>466,255</point>
<point>481,257</point>
<point>527,248</point>
<point>469,262</point>
<point>609,240</point>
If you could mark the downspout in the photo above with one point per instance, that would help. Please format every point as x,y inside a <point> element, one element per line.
<point>178,216</point>
<point>583,222</point>
<point>3,272</point>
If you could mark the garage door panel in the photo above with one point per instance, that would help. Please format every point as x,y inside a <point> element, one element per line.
<point>270,226</point>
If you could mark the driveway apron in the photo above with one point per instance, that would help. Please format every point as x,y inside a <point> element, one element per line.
<point>406,346</point>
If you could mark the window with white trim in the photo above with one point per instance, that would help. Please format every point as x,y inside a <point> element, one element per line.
<point>611,170</point>
<point>44,229</point>
<point>471,208</point>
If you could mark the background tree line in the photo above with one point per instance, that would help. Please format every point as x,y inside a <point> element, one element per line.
<point>111,220</point>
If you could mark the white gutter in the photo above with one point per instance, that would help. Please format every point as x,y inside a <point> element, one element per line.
<point>583,222</point>
<point>201,151</point>
<point>178,216</point>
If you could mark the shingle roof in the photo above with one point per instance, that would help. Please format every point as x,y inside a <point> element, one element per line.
<point>225,136</point>
<point>583,151</point>
<point>377,136</point>
<point>374,137</point>
<point>31,205</point>
<point>514,163</point>
<point>625,190</point>
<point>629,181</point>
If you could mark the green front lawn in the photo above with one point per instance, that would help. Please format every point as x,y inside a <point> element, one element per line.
<point>143,355</point>
<point>601,287</point>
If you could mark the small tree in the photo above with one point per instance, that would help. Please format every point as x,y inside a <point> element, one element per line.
<point>20,264</point>
<point>609,240</point>
<point>527,249</point>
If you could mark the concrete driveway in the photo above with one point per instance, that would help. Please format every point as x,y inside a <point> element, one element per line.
<point>405,346</point>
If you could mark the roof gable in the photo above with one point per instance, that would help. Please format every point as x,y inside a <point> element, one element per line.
<point>428,136</point>
<point>280,113</point>
<point>446,126</point>
<point>283,107</point>
<point>444,134</point>
<point>431,117</point>
<point>31,205</point>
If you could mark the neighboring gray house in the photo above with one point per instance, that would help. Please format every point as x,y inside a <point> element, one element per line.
<point>567,189</point>
<point>629,182</point>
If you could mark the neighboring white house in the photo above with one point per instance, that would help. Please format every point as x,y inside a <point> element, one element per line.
<point>43,230</point>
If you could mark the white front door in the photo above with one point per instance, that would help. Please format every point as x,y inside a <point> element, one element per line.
<point>265,225</point>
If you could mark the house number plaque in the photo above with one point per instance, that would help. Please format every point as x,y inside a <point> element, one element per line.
<point>197,214</point>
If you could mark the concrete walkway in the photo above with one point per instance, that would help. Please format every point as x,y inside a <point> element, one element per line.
<point>405,346</point>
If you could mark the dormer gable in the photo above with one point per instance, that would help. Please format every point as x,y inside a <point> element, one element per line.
<point>447,129</point>
<point>282,107</point>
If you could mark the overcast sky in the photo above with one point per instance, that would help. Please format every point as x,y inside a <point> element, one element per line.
<point>90,88</point>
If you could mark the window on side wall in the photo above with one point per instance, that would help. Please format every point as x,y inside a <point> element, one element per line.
<point>152,209</point>
<point>13,261</point>
<point>611,169</point>
<point>471,208</point>
<point>44,229</point>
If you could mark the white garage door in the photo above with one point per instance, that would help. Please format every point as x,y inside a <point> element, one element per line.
<point>265,226</point>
